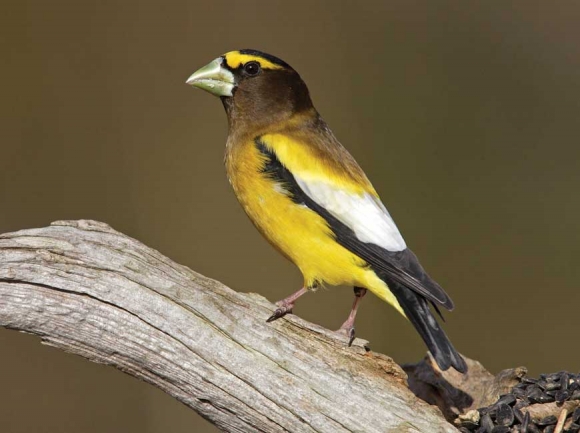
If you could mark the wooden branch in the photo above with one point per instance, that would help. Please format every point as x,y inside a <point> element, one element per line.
<point>89,290</point>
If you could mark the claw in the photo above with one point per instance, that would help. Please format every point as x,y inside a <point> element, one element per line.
<point>348,326</point>
<point>285,305</point>
<point>280,312</point>
<point>350,333</point>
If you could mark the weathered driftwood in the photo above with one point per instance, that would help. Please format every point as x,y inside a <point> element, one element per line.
<point>87,289</point>
<point>90,290</point>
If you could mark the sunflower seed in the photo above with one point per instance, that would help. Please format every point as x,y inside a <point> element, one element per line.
<point>564,379</point>
<point>522,403</point>
<point>505,415</point>
<point>548,420</point>
<point>537,396</point>
<point>525,422</point>
<point>529,380</point>
<point>519,415</point>
<point>508,399</point>
<point>486,423</point>
<point>551,386</point>
<point>562,396</point>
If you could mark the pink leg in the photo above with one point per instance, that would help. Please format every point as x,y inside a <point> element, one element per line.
<point>285,305</point>
<point>348,326</point>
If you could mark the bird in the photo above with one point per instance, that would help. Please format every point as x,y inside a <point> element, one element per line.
<point>306,194</point>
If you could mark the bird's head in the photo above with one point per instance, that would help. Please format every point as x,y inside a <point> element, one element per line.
<point>254,85</point>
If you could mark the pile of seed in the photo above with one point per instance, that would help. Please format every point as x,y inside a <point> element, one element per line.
<point>509,413</point>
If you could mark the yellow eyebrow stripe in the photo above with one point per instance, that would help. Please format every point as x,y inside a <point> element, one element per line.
<point>234,59</point>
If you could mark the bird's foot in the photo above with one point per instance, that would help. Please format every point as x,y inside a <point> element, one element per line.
<point>348,326</point>
<point>283,309</point>
<point>285,305</point>
<point>347,329</point>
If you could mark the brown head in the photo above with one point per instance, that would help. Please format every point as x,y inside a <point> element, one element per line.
<point>255,88</point>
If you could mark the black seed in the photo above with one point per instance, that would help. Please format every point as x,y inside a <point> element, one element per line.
<point>525,423</point>
<point>553,393</point>
<point>505,415</point>
<point>464,430</point>
<point>500,429</point>
<point>533,393</point>
<point>545,399</point>
<point>533,428</point>
<point>551,386</point>
<point>562,396</point>
<point>542,384</point>
<point>576,415</point>
<point>574,386</point>
<point>518,392</point>
<point>554,376</point>
<point>549,420</point>
<point>574,428</point>
<point>529,380</point>
<point>564,379</point>
<point>575,395</point>
<point>550,429</point>
<point>486,423</point>
<point>508,399</point>
<point>519,415</point>
<point>537,396</point>
<point>520,404</point>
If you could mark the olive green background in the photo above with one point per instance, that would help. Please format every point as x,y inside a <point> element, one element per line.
<point>465,115</point>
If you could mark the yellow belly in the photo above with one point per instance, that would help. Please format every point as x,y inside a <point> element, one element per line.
<point>298,232</point>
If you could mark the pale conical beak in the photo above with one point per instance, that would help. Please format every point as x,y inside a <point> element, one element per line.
<point>214,78</point>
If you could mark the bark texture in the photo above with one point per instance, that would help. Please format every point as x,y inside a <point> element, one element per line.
<point>90,290</point>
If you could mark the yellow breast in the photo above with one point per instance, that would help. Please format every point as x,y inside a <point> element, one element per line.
<point>296,231</point>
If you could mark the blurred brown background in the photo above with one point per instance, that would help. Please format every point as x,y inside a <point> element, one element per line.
<point>465,115</point>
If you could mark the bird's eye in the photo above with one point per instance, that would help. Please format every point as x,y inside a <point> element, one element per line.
<point>252,68</point>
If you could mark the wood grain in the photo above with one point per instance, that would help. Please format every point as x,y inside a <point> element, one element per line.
<point>90,290</point>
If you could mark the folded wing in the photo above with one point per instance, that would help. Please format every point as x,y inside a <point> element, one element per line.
<point>360,223</point>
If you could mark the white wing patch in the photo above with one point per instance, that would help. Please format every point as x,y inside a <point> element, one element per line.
<point>364,214</point>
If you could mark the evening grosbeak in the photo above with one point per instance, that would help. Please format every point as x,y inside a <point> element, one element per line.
<point>310,199</point>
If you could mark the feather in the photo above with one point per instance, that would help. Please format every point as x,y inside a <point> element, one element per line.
<point>363,213</point>
<point>400,267</point>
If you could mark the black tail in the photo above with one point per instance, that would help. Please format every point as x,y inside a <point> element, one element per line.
<point>417,311</point>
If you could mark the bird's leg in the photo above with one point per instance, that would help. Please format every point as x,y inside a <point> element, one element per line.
<point>285,305</point>
<point>348,326</point>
